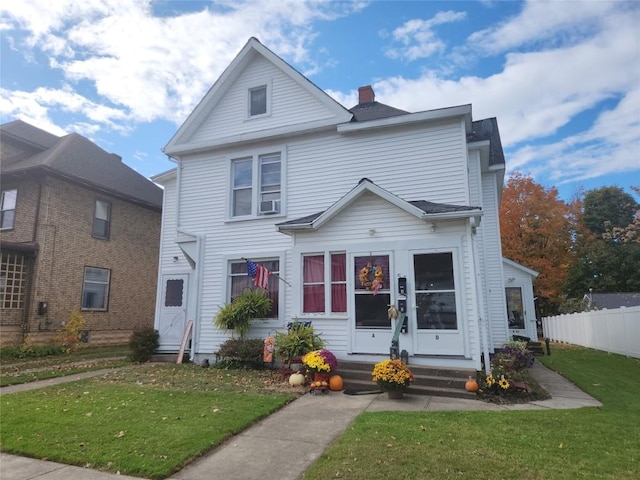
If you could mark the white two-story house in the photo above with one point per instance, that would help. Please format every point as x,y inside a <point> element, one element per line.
<point>270,168</point>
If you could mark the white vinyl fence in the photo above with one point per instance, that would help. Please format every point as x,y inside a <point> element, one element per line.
<point>614,331</point>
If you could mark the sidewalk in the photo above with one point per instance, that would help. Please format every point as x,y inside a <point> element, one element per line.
<point>258,450</point>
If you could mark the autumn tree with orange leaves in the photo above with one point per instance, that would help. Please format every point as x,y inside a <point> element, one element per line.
<point>536,231</point>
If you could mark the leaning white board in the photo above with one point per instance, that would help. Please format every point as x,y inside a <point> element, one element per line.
<point>185,338</point>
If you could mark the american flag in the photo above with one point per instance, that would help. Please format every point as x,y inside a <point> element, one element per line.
<point>259,274</point>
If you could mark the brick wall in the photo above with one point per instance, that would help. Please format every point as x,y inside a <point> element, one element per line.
<point>66,246</point>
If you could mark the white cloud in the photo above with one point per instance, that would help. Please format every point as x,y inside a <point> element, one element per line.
<point>418,39</point>
<point>147,67</point>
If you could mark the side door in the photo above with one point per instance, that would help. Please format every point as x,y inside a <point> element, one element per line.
<point>438,327</point>
<point>173,311</point>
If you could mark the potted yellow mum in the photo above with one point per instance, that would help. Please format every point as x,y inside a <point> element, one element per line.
<point>393,377</point>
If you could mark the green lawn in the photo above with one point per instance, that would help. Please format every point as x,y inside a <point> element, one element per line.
<point>23,370</point>
<point>148,421</point>
<point>587,443</point>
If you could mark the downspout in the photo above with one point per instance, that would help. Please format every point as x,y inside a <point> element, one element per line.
<point>483,324</point>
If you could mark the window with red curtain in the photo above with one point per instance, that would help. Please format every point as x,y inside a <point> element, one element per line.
<point>338,282</point>
<point>313,284</point>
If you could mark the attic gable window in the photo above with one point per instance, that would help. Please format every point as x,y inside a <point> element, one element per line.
<point>258,101</point>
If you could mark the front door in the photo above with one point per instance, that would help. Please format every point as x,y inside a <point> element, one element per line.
<point>437,305</point>
<point>173,311</point>
<point>370,301</point>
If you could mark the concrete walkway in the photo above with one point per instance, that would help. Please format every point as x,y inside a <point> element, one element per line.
<point>306,427</point>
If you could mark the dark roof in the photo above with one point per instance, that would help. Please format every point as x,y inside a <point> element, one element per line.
<point>80,160</point>
<point>374,111</point>
<point>424,205</point>
<point>614,300</point>
<point>487,129</point>
<point>433,208</point>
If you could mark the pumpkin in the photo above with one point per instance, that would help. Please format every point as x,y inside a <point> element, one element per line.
<point>471,385</point>
<point>336,383</point>
<point>296,379</point>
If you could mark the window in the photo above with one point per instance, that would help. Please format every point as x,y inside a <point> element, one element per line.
<point>372,300</point>
<point>13,280</point>
<point>258,101</point>
<point>435,291</point>
<point>95,289</point>
<point>256,185</point>
<point>315,291</point>
<point>239,280</point>
<point>102,219</point>
<point>8,209</point>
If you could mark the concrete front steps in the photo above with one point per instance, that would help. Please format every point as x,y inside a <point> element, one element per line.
<point>440,382</point>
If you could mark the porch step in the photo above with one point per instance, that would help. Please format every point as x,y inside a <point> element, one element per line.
<point>165,357</point>
<point>535,348</point>
<point>440,382</point>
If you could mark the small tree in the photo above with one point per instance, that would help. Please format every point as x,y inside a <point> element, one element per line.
<point>68,337</point>
<point>237,315</point>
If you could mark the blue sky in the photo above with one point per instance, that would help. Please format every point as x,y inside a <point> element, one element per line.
<point>562,77</point>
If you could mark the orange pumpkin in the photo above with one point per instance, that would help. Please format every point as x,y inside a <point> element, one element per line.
<point>336,383</point>
<point>471,385</point>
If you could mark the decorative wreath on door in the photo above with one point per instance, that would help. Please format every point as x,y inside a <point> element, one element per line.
<point>372,277</point>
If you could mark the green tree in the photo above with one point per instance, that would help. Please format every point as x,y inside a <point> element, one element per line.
<point>608,206</point>
<point>608,251</point>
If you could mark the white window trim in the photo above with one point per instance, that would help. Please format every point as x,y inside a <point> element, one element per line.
<point>267,85</point>
<point>327,285</point>
<point>257,257</point>
<point>255,192</point>
<point>107,291</point>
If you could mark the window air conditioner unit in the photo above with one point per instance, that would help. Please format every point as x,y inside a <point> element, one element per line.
<point>268,207</point>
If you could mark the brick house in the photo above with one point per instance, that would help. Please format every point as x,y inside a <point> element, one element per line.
<point>78,229</point>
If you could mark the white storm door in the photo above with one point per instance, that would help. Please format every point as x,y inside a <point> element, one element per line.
<point>437,305</point>
<point>173,311</point>
<point>516,312</point>
<point>370,300</point>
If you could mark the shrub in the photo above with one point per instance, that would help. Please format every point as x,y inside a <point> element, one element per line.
<point>143,344</point>
<point>68,337</point>
<point>512,359</point>
<point>242,349</point>
<point>29,351</point>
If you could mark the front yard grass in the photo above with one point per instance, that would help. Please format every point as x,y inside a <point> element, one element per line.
<point>586,443</point>
<point>147,421</point>
<point>14,371</point>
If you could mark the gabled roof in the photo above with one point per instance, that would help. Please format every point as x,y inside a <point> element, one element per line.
<point>422,209</point>
<point>613,300</point>
<point>252,48</point>
<point>487,130</point>
<point>81,161</point>
<point>520,267</point>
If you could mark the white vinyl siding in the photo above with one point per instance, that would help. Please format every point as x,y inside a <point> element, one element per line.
<point>290,103</point>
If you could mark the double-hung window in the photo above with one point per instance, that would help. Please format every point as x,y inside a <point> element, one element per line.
<point>102,219</point>
<point>240,280</point>
<point>8,209</point>
<point>258,101</point>
<point>95,288</point>
<point>256,185</point>
<point>318,294</point>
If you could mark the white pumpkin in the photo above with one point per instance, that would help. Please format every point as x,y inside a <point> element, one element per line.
<point>296,379</point>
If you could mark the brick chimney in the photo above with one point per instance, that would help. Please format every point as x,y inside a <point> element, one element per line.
<point>366,95</point>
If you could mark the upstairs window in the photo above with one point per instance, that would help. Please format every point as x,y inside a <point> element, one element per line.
<point>102,219</point>
<point>256,185</point>
<point>95,288</point>
<point>8,209</point>
<point>258,101</point>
